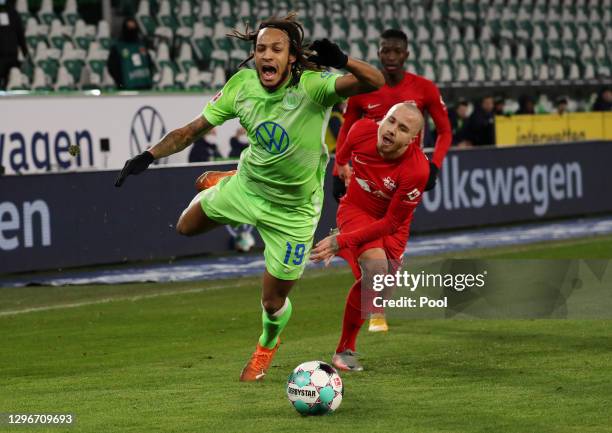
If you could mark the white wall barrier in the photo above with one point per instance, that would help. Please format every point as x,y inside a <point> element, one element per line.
<point>36,131</point>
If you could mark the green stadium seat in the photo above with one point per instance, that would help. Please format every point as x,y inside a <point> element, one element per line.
<point>70,14</point>
<point>145,19</point>
<point>21,6</point>
<point>40,82</point>
<point>16,80</point>
<point>46,15</point>
<point>65,81</point>
<point>33,35</point>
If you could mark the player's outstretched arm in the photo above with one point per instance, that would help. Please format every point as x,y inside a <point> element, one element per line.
<point>363,77</point>
<point>173,142</point>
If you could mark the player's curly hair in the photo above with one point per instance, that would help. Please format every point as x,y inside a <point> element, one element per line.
<point>295,31</point>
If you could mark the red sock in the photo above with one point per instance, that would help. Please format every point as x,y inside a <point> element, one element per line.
<point>352,321</point>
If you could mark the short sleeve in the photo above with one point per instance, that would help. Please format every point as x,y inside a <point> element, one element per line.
<point>321,87</point>
<point>221,107</point>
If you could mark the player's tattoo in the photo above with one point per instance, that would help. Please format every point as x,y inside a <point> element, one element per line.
<point>180,138</point>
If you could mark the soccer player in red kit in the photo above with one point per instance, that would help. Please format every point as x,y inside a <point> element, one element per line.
<point>389,177</point>
<point>400,86</point>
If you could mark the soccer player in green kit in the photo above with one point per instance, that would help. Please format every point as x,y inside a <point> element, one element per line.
<point>284,104</point>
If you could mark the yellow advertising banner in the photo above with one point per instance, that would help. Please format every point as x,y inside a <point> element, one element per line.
<point>552,128</point>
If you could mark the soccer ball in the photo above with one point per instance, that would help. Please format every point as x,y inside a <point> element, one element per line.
<point>315,388</point>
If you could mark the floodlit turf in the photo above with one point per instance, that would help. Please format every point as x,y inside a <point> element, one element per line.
<point>166,358</point>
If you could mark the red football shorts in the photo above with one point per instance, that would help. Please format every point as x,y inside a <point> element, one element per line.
<point>350,218</point>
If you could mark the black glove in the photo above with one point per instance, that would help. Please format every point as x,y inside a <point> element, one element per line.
<point>338,188</point>
<point>136,165</point>
<point>328,54</point>
<point>433,176</point>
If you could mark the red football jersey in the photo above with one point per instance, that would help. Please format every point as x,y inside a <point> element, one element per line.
<point>413,88</point>
<point>389,190</point>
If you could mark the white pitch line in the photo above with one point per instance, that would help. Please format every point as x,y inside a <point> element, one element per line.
<point>129,298</point>
<point>108,300</point>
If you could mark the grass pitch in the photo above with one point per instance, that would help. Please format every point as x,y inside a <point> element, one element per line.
<point>166,358</point>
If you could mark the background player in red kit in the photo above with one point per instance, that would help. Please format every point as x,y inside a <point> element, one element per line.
<point>400,86</point>
<point>390,174</point>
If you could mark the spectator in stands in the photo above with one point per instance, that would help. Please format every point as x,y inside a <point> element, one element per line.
<point>204,149</point>
<point>238,143</point>
<point>561,105</point>
<point>526,105</point>
<point>12,37</point>
<point>480,127</point>
<point>129,62</point>
<point>498,109</point>
<point>603,101</point>
<point>458,118</point>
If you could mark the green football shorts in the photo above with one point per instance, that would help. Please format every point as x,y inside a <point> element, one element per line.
<point>287,231</point>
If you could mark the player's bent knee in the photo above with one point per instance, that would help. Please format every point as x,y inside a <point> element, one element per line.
<point>272,305</point>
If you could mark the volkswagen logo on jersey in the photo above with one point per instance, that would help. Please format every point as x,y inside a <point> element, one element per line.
<point>272,137</point>
<point>147,129</point>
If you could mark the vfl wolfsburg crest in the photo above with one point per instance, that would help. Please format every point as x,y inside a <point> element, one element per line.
<point>291,100</point>
<point>272,137</point>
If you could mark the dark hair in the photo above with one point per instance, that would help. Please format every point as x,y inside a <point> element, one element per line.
<point>294,31</point>
<point>394,34</point>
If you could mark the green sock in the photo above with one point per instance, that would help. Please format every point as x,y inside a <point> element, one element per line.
<point>273,324</point>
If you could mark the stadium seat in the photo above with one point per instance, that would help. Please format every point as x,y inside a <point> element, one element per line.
<point>526,71</point>
<point>441,53</point>
<point>218,79</point>
<point>521,51</point>
<point>574,72</point>
<point>186,16</point>
<point>445,74</point>
<point>145,20</point>
<point>204,47</point>
<point>494,71</point>
<point>64,80</point>
<point>205,15</point>
<point>58,34</point>
<point>40,82</point>
<point>425,53</point>
<point>46,59</point>
<point>165,17</point>
<point>543,72</point>
<point>458,52</point>
<point>194,81</point>
<point>16,80</point>
<point>81,35</point>
<point>237,56</point>
<point>474,54</point>
<point>72,60</point>
<point>163,34</point>
<point>462,72</point>
<point>70,13</point>
<point>46,15</point>
<point>490,53</point>
<point>510,71</point>
<point>96,59</point>
<point>166,80</point>
<point>103,35</point>
<point>21,6</point>
<point>32,34</point>
<point>220,38</point>
<point>428,71</point>
<point>478,72</point>
<point>219,58</point>
<point>107,81</point>
<point>88,79</point>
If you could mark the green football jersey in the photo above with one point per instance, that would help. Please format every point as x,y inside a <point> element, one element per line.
<point>286,159</point>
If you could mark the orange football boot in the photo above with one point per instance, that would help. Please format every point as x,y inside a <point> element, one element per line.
<point>258,365</point>
<point>208,179</point>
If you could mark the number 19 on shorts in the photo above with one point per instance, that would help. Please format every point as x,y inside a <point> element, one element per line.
<point>295,255</point>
